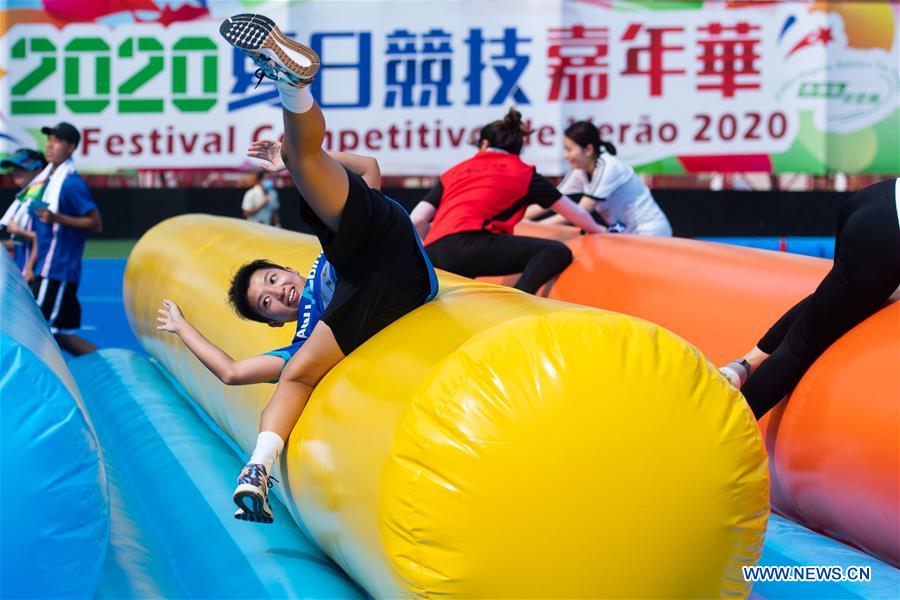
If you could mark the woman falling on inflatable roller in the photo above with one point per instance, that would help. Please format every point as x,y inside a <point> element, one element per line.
<point>372,271</point>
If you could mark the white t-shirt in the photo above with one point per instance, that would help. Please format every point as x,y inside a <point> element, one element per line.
<point>253,198</point>
<point>623,197</point>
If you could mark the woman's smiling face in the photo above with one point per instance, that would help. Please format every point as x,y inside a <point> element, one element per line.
<point>578,157</point>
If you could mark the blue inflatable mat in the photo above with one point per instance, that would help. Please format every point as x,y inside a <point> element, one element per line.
<point>789,544</point>
<point>171,477</point>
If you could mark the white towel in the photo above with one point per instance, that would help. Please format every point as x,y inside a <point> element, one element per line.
<point>18,210</point>
<point>51,194</point>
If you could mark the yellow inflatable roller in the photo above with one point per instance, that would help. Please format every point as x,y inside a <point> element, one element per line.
<point>489,444</point>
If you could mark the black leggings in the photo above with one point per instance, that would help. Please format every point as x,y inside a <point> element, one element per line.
<point>865,273</point>
<point>478,253</point>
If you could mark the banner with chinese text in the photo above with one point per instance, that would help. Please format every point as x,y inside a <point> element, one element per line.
<point>684,87</point>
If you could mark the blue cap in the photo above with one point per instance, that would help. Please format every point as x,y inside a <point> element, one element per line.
<point>25,159</point>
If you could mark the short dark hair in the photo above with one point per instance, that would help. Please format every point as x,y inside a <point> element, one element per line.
<point>506,134</point>
<point>240,284</point>
<point>261,174</point>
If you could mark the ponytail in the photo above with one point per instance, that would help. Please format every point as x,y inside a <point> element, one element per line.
<point>507,134</point>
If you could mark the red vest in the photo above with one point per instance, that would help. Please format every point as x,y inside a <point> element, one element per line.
<point>479,192</point>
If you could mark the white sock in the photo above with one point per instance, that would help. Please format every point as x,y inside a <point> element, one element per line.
<point>268,445</point>
<point>295,99</point>
<point>736,372</point>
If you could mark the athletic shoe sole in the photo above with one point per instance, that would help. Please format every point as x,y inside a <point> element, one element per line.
<point>252,506</point>
<point>258,35</point>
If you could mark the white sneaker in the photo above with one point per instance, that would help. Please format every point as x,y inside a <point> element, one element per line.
<point>736,372</point>
<point>276,55</point>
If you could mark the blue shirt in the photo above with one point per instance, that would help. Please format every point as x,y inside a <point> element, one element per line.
<point>22,247</point>
<point>60,248</point>
<point>317,293</point>
<point>21,250</point>
<point>24,216</point>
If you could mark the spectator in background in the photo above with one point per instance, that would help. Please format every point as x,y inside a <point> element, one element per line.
<point>18,220</point>
<point>66,213</point>
<point>261,201</point>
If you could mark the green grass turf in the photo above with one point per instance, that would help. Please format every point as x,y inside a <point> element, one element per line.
<point>108,248</point>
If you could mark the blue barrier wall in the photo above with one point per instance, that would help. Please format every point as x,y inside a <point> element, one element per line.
<point>54,515</point>
<point>821,247</point>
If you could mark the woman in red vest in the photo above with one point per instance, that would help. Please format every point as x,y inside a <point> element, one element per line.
<point>476,205</point>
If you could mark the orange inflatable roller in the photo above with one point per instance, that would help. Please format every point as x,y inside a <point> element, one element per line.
<point>835,446</point>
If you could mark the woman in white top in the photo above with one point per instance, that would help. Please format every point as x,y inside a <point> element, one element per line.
<point>608,186</point>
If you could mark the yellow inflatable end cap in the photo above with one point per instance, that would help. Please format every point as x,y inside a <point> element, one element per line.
<point>574,454</point>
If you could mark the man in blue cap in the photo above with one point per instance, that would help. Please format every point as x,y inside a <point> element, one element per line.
<point>26,164</point>
<point>65,215</point>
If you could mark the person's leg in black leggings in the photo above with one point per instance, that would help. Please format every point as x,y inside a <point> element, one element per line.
<point>551,259</point>
<point>866,271</point>
<point>480,253</point>
<point>777,332</point>
<point>737,371</point>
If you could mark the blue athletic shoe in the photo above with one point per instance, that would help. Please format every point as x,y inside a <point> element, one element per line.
<point>277,56</point>
<point>252,494</point>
